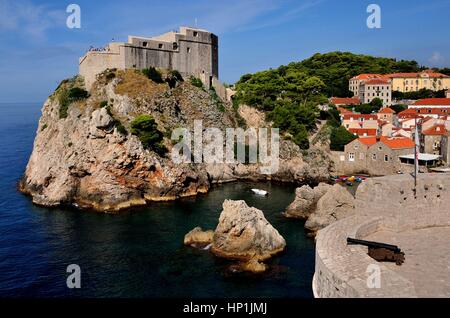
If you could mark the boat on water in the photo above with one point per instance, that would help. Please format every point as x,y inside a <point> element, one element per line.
<point>260,192</point>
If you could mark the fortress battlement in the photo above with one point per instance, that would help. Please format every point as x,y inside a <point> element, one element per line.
<point>191,51</point>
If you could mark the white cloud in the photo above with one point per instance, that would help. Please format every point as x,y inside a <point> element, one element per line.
<point>436,58</point>
<point>27,18</point>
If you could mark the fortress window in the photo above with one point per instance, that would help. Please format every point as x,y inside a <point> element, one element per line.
<point>175,45</point>
<point>144,44</point>
<point>160,46</point>
<point>189,50</point>
<point>195,33</point>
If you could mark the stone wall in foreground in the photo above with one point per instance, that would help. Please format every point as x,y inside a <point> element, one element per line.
<point>387,203</point>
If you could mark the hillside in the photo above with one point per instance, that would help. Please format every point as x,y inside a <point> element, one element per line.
<point>289,94</point>
<point>110,148</point>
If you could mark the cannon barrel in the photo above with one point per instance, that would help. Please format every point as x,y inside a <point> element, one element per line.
<point>390,247</point>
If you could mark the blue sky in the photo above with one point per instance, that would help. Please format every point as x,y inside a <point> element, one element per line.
<point>37,50</point>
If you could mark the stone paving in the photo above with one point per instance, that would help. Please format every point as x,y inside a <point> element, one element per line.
<point>427,258</point>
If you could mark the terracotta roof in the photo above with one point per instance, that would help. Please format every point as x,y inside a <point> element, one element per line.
<point>429,73</point>
<point>366,76</point>
<point>398,143</point>
<point>363,131</point>
<point>378,81</point>
<point>418,112</point>
<point>437,130</point>
<point>386,110</point>
<point>433,102</point>
<point>345,101</point>
<point>358,116</point>
<point>391,142</point>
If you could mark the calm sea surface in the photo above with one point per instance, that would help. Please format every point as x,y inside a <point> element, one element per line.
<point>135,254</point>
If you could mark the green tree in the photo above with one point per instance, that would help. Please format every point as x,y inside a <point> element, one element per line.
<point>339,138</point>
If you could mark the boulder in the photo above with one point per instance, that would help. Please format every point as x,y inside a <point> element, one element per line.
<point>243,233</point>
<point>198,237</point>
<point>337,203</point>
<point>305,201</point>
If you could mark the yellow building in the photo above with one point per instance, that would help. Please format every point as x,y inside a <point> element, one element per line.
<point>413,82</point>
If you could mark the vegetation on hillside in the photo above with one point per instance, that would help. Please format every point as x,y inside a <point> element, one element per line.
<point>67,96</point>
<point>290,94</point>
<point>146,129</point>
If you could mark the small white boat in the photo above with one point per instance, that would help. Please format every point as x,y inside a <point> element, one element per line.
<point>260,192</point>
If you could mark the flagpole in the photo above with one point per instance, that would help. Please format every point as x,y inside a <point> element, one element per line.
<point>416,155</point>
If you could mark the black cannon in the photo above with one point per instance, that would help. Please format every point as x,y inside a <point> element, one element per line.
<point>381,252</point>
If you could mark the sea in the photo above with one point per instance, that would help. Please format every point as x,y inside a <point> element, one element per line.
<point>138,253</point>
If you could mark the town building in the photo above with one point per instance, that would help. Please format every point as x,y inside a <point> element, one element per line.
<point>366,87</point>
<point>445,147</point>
<point>191,51</point>
<point>431,138</point>
<point>413,82</point>
<point>386,115</point>
<point>360,121</point>
<point>375,155</point>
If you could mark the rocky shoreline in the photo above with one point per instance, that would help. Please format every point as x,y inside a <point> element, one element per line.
<point>89,159</point>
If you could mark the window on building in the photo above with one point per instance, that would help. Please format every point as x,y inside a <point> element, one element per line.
<point>160,46</point>
<point>406,82</point>
<point>361,156</point>
<point>380,148</point>
<point>374,156</point>
<point>144,44</point>
<point>356,146</point>
<point>189,50</point>
<point>195,34</point>
<point>175,45</point>
<point>386,158</point>
<point>351,156</point>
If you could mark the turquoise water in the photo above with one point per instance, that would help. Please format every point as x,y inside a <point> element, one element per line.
<point>138,253</point>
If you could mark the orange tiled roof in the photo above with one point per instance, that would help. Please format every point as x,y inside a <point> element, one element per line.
<point>437,130</point>
<point>386,110</point>
<point>433,102</point>
<point>398,143</point>
<point>378,81</point>
<point>430,73</point>
<point>358,116</point>
<point>391,142</point>
<point>366,76</point>
<point>345,101</point>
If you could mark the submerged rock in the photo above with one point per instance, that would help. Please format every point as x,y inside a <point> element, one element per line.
<point>199,238</point>
<point>243,233</point>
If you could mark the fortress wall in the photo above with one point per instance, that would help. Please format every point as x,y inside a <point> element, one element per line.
<point>385,203</point>
<point>191,52</point>
<point>94,63</point>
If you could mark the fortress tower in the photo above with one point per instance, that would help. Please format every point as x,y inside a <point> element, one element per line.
<point>192,52</point>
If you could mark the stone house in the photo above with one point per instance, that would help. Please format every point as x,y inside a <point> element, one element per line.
<point>431,138</point>
<point>445,147</point>
<point>375,156</point>
<point>386,115</point>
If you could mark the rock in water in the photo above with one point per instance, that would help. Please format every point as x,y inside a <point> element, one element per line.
<point>305,202</point>
<point>198,237</point>
<point>336,204</point>
<point>243,233</point>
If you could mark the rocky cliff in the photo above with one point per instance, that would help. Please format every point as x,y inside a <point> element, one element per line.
<point>86,155</point>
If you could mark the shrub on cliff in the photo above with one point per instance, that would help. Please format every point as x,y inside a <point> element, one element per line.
<point>68,96</point>
<point>196,82</point>
<point>153,74</point>
<point>146,129</point>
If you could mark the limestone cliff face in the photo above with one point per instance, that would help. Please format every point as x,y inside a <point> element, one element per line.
<point>86,158</point>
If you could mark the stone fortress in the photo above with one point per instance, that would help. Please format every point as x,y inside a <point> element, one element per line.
<point>191,51</point>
